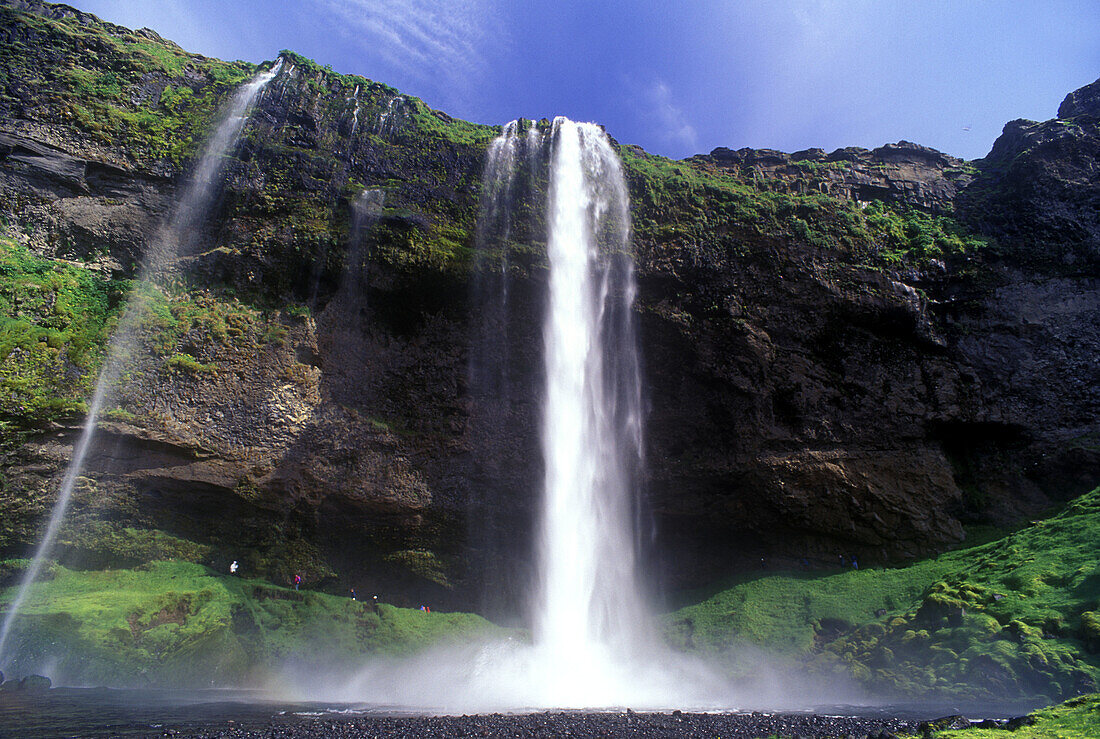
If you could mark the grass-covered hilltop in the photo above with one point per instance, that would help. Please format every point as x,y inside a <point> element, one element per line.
<point>886,356</point>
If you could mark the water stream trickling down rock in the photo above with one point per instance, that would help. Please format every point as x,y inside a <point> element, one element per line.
<point>159,260</point>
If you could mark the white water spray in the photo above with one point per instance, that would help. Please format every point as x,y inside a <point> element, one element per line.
<point>160,256</point>
<point>350,300</point>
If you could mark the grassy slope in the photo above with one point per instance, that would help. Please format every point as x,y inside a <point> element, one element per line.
<point>1015,617</point>
<point>1012,618</point>
<point>1078,718</point>
<point>178,623</point>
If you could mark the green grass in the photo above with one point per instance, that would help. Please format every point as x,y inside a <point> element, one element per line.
<point>178,623</point>
<point>1014,617</point>
<point>1078,718</point>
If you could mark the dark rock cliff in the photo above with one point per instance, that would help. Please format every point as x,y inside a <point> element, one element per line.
<point>834,364</point>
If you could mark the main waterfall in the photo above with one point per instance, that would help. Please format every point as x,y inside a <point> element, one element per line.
<point>593,643</point>
<point>590,618</point>
<point>159,257</point>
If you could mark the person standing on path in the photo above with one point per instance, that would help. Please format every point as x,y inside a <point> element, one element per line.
<point>297,581</point>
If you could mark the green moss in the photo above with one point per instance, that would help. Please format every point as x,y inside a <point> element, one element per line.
<point>1011,617</point>
<point>1077,718</point>
<point>54,324</point>
<point>421,563</point>
<point>176,623</point>
<point>684,202</point>
<point>98,78</point>
<point>439,124</point>
<point>187,363</point>
<point>104,544</point>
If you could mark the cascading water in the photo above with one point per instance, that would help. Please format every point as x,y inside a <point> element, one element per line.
<point>494,229</point>
<point>350,300</point>
<point>384,122</point>
<point>589,614</point>
<point>159,257</point>
<point>355,114</point>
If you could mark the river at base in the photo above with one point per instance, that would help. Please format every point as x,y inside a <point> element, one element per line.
<point>103,712</point>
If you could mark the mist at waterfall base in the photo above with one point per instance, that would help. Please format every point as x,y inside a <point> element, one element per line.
<point>157,262</point>
<point>594,643</point>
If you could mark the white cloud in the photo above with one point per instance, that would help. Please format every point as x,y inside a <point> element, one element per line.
<point>667,117</point>
<point>436,42</point>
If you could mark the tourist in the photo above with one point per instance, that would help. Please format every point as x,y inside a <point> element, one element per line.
<point>353,594</point>
<point>233,568</point>
<point>297,581</point>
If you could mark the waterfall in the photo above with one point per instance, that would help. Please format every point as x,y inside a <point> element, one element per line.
<point>170,241</point>
<point>355,114</point>
<point>350,299</point>
<point>594,643</point>
<point>495,419</point>
<point>494,229</point>
<point>384,118</point>
<point>589,613</point>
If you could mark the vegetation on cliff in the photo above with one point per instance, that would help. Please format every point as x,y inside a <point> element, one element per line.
<point>55,317</point>
<point>1017,617</point>
<point>130,91</point>
<point>705,211</point>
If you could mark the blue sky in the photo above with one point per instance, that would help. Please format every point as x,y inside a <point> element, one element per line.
<point>682,76</point>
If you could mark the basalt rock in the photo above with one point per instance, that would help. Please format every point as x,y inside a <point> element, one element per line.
<point>903,172</point>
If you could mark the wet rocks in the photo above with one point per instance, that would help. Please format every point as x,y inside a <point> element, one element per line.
<point>29,683</point>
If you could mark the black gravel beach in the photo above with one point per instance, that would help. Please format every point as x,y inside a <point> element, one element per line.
<point>629,724</point>
<point>96,713</point>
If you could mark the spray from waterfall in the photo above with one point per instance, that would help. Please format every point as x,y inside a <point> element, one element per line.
<point>172,240</point>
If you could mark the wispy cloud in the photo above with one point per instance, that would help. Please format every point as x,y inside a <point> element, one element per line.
<point>436,42</point>
<point>667,117</point>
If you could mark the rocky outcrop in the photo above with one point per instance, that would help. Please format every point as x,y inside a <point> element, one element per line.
<point>1085,101</point>
<point>904,172</point>
<point>1039,193</point>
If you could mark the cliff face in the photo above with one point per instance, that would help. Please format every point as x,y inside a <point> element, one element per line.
<point>852,353</point>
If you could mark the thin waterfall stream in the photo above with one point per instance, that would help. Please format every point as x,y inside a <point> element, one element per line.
<point>160,256</point>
